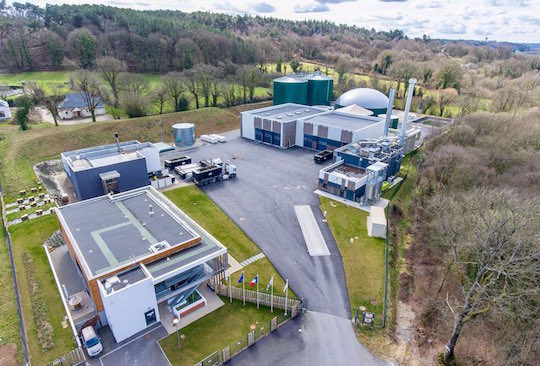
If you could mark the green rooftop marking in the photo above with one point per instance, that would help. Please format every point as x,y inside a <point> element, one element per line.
<point>136,223</point>
<point>103,246</point>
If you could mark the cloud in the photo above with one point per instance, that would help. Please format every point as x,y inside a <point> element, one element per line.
<point>393,1</point>
<point>311,8</point>
<point>451,28</point>
<point>334,1</point>
<point>264,8</point>
<point>528,19</point>
<point>228,8</point>
<point>429,5</point>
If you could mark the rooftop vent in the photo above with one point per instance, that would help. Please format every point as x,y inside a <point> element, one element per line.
<point>289,114</point>
<point>306,110</point>
<point>158,247</point>
<point>298,112</point>
<point>279,117</point>
<point>151,210</point>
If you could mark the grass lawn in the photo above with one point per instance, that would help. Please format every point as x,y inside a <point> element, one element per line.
<point>202,209</point>
<point>28,237</point>
<point>20,150</point>
<point>12,216</point>
<point>228,324</point>
<point>9,321</point>
<point>363,260</point>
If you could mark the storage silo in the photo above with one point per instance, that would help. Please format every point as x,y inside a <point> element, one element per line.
<point>184,134</point>
<point>320,88</point>
<point>290,89</point>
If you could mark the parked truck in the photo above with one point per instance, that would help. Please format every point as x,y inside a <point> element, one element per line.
<point>184,170</point>
<point>323,156</point>
<point>208,174</point>
<point>173,163</point>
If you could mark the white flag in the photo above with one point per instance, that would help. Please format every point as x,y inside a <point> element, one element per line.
<point>286,286</point>
<point>270,283</point>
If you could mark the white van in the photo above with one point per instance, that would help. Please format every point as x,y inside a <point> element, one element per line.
<point>91,341</point>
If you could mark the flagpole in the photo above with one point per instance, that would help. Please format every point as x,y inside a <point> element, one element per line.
<point>230,289</point>
<point>257,290</point>
<point>243,289</point>
<point>272,298</point>
<point>286,296</point>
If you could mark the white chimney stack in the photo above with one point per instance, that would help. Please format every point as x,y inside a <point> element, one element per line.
<point>410,93</point>
<point>389,112</point>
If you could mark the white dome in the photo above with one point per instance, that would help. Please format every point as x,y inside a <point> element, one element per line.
<point>363,97</point>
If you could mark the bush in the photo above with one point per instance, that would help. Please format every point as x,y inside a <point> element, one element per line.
<point>134,105</point>
<point>183,103</point>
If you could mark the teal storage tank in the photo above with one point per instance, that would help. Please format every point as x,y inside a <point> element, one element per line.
<point>290,89</point>
<point>320,88</point>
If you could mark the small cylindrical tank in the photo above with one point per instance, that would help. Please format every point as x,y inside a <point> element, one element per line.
<point>184,134</point>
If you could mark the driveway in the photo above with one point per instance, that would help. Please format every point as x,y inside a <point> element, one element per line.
<point>261,202</point>
<point>46,116</point>
<point>140,349</point>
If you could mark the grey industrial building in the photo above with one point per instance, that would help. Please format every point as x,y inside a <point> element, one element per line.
<point>317,128</point>
<point>113,168</point>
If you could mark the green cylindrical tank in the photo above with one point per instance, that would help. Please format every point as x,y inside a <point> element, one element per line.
<point>320,88</point>
<point>290,89</point>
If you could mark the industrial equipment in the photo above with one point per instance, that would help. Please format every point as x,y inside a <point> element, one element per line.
<point>323,156</point>
<point>173,163</point>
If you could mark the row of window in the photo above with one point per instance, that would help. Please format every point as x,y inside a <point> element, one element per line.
<point>273,138</point>
<point>321,143</point>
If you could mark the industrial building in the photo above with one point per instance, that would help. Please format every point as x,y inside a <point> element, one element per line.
<point>316,128</point>
<point>136,250</point>
<point>308,89</point>
<point>113,168</point>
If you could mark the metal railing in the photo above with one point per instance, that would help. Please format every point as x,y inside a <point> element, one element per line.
<point>73,358</point>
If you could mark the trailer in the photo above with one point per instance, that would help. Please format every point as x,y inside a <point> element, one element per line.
<point>213,173</point>
<point>173,163</point>
<point>184,170</point>
<point>323,156</point>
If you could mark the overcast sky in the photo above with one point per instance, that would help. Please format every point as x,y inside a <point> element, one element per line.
<point>501,20</point>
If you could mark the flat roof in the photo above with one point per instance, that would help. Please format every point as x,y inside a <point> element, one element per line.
<point>112,231</point>
<point>124,279</point>
<point>348,171</point>
<point>286,112</point>
<point>98,156</point>
<point>343,120</point>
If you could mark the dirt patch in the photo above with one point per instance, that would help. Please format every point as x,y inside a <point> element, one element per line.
<point>46,172</point>
<point>8,355</point>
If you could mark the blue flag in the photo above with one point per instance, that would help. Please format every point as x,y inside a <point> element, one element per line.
<point>241,279</point>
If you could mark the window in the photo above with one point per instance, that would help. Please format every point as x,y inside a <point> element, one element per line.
<point>150,316</point>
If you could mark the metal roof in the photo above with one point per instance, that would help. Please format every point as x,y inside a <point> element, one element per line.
<point>110,232</point>
<point>344,121</point>
<point>286,112</point>
<point>76,100</point>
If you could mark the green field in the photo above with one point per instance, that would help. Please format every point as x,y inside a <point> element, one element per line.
<point>215,331</point>
<point>202,209</point>
<point>28,237</point>
<point>363,259</point>
<point>12,216</point>
<point>154,81</point>
<point>9,321</point>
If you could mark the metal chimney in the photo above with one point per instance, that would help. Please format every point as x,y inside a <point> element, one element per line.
<point>117,142</point>
<point>389,112</point>
<point>410,93</point>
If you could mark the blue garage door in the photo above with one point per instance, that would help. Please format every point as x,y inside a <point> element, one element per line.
<point>276,139</point>
<point>267,136</point>
<point>258,134</point>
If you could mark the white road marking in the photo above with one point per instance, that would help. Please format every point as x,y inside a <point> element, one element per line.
<point>310,229</point>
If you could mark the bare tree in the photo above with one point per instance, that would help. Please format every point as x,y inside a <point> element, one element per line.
<point>509,98</point>
<point>444,98</point>
<point>48,100</point>
<point>494,253</point>
<point>110,69</point>
<point>172,82</point>
<point>192,85</point>
<point>87,84</point>
<point>242,75</point>
<point>159,96</point>
<point>134,84</point>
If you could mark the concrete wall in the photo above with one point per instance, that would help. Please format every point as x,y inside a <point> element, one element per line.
<point>153,162</point>
<point>126,308</point>
<point>87,183</point>
<point>69,114</point>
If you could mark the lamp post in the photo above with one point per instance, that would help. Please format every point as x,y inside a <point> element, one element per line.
<point>175,324</point>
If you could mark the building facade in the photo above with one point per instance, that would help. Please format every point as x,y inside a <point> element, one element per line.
<point>115,168</point>
<point>74,106</point>
<point>135,250</point>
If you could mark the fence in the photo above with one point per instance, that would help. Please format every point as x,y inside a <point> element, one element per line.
<point>293,306</point>
<point>265,299</point>
<point>73,358</point>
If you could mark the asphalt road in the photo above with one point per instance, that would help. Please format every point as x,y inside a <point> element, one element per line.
<point>261,202</point>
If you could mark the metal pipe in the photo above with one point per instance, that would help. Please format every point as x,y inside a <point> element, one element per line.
<point>117,142</point>
<point>389,112</point>
<point>410,93</point>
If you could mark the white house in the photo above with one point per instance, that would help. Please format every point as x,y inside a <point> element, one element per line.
<point>4,110</point>
<point>74,106</point>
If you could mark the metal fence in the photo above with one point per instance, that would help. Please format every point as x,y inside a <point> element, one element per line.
<point>265,299</point>
<point>73,358</point>
<point>261,330</point>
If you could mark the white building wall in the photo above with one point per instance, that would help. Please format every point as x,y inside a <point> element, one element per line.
<point>5,112</point>
<point>151,154</point>
<point>334,133</point>
<point>300,132</point>
<point>126,308</point>
<point>375,130</point>
<point>248,126</point>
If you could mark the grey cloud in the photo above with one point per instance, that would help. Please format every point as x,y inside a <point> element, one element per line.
<point>393,1</point>
<point>264,8</point>
<point>430,5</point>
<point>334,1</point>
<point>452,28</point>
<point>229,8</point>
<point>311,8</point>
<point>528,19</point>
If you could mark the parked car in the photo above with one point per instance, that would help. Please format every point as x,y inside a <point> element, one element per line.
<point>91,341</point>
